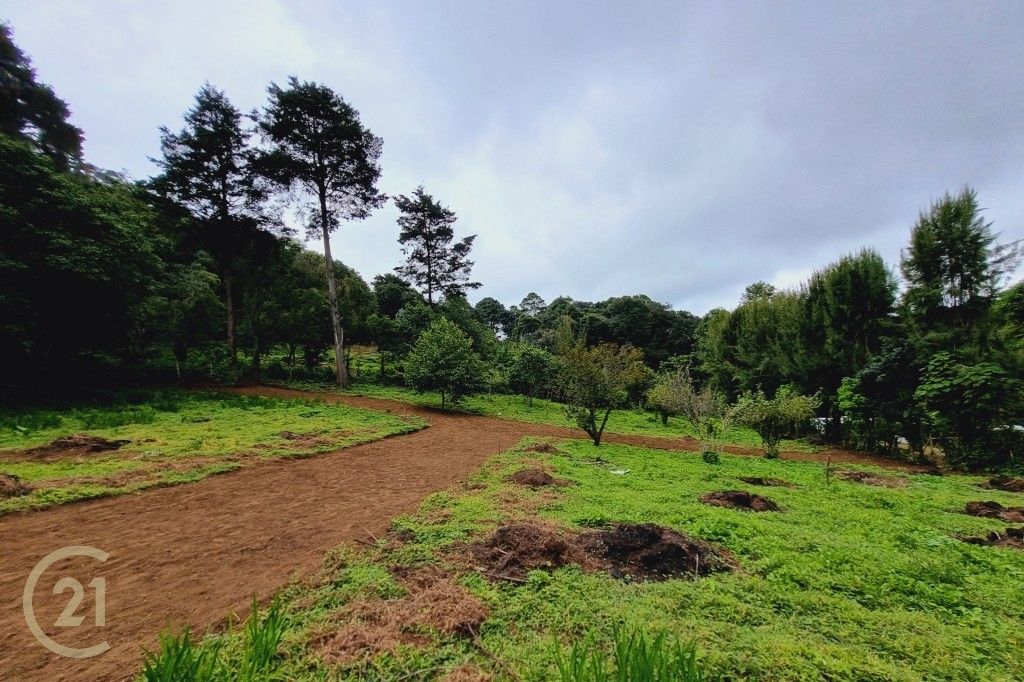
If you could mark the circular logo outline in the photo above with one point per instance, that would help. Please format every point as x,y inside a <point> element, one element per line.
<point>29,591</point>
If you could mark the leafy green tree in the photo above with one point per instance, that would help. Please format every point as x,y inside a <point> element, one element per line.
<point>443,360</point>
<point>532,371</point>
<point>758,291</point>
<point>494,315</point>
<point>432,261</point>
<point>973,408</point>
<point>320,149</point>
<point>595,380</point>
<point>393,294</point>
<point>953,268</point>
<point>879,405</point>
<point>847,312</point>
<point>208,168</point>
<point>458,310</point>
<point>774,418</point>
<point>32,111</point>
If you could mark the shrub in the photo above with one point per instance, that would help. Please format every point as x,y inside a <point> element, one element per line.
<point>774,418</point>
<point>595,380</point>
<point>706,409</point>
<point>532,371</point>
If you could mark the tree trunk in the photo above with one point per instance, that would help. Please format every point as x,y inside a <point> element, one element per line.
<point>229,303</point>
<point>256,355</point>
<point>332,299</point>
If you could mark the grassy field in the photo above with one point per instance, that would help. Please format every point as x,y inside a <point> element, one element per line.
<point>175,437</point>
<point>515,407</point>
<point>847,582</point>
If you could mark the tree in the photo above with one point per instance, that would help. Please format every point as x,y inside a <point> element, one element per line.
<point>758,291</point>
<point>320,149</point>
<point>432,261</point>
<point>953,268</point>
<point>393,294</point>
<point>443,360</point>
<point>595,380</point>
<point>32,111</point>
<point>705,409</point>
<point>532,370</point>
<point>774,418</point>
<point>494,315</point>
<point>973,408</point>
<point>879,405</point>
<point>208,168</point>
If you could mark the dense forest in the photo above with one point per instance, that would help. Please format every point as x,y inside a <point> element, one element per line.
<point>195,275</point>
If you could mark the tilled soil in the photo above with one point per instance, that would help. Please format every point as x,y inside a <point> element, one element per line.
<point>739,499</point>
<point>190,554</point>
<point>994,510</point>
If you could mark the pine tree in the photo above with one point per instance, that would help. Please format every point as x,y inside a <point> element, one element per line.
<point>433,262</point>
<point>320,149</point>
<point>208,168</point>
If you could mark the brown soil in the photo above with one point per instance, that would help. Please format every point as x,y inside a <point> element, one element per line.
<point>644,551</point>
<point>515,549</point>
<point>547,448</point>
<point>1013,538</point>
<point>739,499</point>
<point>11,486</point>
<point>189,554</point>
<point>994,510</point>
<point>75,445</point>
<point>766,482</point>
<point>310,441</point>
<point>534,478</point>
<point>433,603</point>
<point>1011,485</point>
<point>635,551</point>
<point>868,478</point>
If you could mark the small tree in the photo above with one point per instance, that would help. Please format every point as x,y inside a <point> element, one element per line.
<point>707,411</point>
<point>595,380</point>
<point>774,418</point>
<point>443,360</point>
<point>532,370</point>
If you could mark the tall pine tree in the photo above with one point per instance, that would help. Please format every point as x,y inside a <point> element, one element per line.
<point>208,167</point>
<point>320,150</point>
<point>434,262</point>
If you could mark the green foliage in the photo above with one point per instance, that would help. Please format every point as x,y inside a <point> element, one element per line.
<point>706,409</point>
<point>432,261</point>
<point>532,371</point>
<point>443,360</point>
<point>178,659</point>
<point>776,417</point>
<point>972,407</point>
<point>635,658</point>
<point>595,380</point>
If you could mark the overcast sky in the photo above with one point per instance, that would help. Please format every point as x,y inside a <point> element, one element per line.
<point>597,149</point>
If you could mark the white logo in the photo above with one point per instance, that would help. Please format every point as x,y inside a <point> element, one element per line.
<point>68,618</point>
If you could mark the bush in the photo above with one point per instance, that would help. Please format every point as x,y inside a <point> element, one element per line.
<point>596,380</point>
<point>675,395</point>
<point>774,418</point>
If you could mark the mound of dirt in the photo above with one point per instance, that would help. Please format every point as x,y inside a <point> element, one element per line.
<point>515,549</point>
<point>533,478</point>
<point>994,510</point>
<point>868,478</point>
<point>433,603</point>
<point>739,499</point>
<point>766,482</point>
<point>1013,538</point>
<point>645,551</point>
<point>547,448</point>
<point>11,486</point>
<point>75,445</point>
<point>1011,485</point>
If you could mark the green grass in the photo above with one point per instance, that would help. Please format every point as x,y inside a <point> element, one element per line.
<point>631,422</point>
<point>176,437</point>
<point>848,582</point>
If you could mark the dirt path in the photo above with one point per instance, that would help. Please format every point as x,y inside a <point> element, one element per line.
<point>191,553</point>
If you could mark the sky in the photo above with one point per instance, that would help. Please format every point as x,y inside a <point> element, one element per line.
<point>681,150</point>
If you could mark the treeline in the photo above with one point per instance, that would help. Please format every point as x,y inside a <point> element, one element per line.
<point>195,275</point>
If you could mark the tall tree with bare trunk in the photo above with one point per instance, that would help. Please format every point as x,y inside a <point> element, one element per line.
<point>319,151</point>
